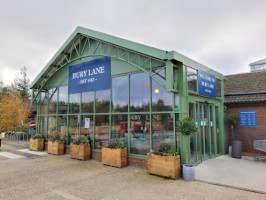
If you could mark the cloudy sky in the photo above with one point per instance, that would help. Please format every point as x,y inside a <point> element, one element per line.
<point>225,35</point>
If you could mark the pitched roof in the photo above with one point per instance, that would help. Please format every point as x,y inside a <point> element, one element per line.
<point>144,49</point>
<point>245,88</point>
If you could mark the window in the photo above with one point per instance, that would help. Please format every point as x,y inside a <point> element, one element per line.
<point>87,127</point>
<point>120,94</point>
<point>101,131</point>
<point>52,100</point>
<point>163,130</point>
<point>63,100</point>
<point>73,128</point>
<point>51,125</point>
<point>218,88</point>
<point>43,125</point>
<point>192,77</point>
<point>43,102</point>
<point>74,103</point>
<point>120,128</point>
<point>87,102</point>
<point>161,99</point>
<point>139,92</point>
<point>102,101</point>
<point>139,134</point>
<point>62,125</point>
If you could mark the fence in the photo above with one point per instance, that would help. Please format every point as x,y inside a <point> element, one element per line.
<point>15,136</point>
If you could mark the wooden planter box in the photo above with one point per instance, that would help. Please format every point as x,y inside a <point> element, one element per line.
<point>56,148</point>
<point>36,144</point>
<point>166,166</point>
<point>81,152</point>
<point>114,157</point>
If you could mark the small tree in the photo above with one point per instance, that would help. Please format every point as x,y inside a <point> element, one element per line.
<point>21,83</point>
<point>232,120</point>
<point>187,127</point>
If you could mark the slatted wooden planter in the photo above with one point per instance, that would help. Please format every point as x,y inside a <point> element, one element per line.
<point>81,152</point>
<point>56,148</point>
<point>114,157</point>
<point>166,166</point>
<point>36,144</point>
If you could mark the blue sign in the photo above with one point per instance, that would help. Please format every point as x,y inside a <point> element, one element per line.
<point>206,84</point>
<point>90,76</point>
<point>248,118</point>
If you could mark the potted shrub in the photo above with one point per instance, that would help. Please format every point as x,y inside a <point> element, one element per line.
<point>187,127</point>
<point>56,145</point>
<point>37,142</point>
<point>165,162</point>
<point>115,154</point>
<point>80,149</point>
<point>236,148</point>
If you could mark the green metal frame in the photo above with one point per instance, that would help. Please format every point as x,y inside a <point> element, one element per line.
<point>129,58</point>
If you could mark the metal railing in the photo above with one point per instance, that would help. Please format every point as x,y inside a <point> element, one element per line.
<point>15,136</point>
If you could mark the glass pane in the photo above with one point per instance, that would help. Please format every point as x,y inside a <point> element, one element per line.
<point>139,134</point>
<point>119,128</point>
<point>177,134</point>
<point>74,102</point>
<point>43,126</point>
<point>102,101</point>
<point>176,79</point>
<point>177,103</point>
<point>163,130</point>
<point>192,77</point>
<point>87,102</point>
<point>51,125</point>
<point>212,134</point>
<point>62,100</point>
<point>218,88</point>
<point>139,92</point>
<point>193,136</point>
<point>43,102</point>
<point>161,99</point>
<point>160,74</point>
<point>101,131</point>
<point>120,94</point>
<point>87,127</point>
<point>62,125</point>
<point>206,127</point>
<point>52,100</point>
<point>73,128</point>
<point>217,129</point>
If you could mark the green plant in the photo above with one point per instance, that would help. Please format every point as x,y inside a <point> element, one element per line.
<point>115,144</point>
<point>84,141</point>
<point>38,136</point>
<point>187,127</point>
<point>232,120</point>
<point>56,137</point>
<point>165,149</point>
<point>24,128</point>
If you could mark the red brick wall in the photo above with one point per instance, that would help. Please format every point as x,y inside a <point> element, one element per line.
<point>249,134</point>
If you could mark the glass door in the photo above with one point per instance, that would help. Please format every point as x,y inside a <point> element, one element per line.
<point>205,143</point>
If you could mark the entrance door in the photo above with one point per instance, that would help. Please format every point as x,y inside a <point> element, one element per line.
<point>205,143</point>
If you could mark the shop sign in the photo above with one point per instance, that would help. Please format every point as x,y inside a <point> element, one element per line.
<point>248,118</point>
<point>90,76</point>
<point>206,84</point>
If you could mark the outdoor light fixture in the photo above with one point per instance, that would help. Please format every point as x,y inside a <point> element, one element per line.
<point>156,91</point>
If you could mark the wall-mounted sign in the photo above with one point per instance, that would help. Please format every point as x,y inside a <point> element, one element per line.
<point>248,118</point>
<point>90,76</point>
<point>87,123</point>
<point>206,84</point>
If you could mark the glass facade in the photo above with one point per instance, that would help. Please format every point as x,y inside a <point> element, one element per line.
<point>138,109</point>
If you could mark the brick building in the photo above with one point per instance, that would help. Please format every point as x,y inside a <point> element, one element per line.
<point>247,92</point>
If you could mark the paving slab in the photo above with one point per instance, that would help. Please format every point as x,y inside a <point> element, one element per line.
<point>243,174</point>
<point>39,153</point>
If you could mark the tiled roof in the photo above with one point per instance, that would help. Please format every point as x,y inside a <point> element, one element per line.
<point>245,88</point>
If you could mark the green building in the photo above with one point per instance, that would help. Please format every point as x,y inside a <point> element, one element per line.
<point>108,87</point>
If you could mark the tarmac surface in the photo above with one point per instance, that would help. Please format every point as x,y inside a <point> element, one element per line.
<point>39,177</point>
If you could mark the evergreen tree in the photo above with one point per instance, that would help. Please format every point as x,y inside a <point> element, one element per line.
<point>21,83</point>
